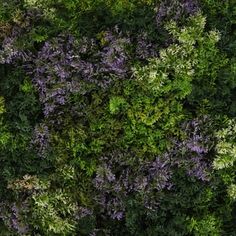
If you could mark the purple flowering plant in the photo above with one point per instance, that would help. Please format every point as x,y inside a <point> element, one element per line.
<point>124,156</point>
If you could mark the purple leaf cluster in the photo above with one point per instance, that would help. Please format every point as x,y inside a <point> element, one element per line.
<point>53,71</point>
<point>64,64</point>
<point>113,55</point>
<point>83,212</point>
<point>120,176</point>
<point>175,9</point>
<point>12,216</point>
<point>145,49</point>
<point>40,139</point>
<point>191,152</point>
<point>197,141</point>
<point>16,221</point>
<point>10,53</point>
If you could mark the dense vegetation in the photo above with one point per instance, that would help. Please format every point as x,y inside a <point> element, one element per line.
<point>118,117</point>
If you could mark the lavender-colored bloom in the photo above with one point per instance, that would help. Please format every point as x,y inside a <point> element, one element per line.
<point>195,147</point>
<point>190,153</point>
<point>48,109</point>
<point>12,215</point>
<point>93,234</point>
<point>104,173</point>
<point>115,208</point>
<point>121,175</point>
<point>40,139</point>
<point>162,12</point>
<point>61,73</point>
<point>145,49</point>
<point>83,212</point>
<point>140,183</point>
<point>59,70</point>
<point>51,74</point>
<point>117,179</point>
<point>117,215</point>
<point>190,6</point>
<point>16,222</point>
<point>9,53</point>
<point>199,168</point>
<point>174,9</point>
<point>113,55</point>
<point>160,173</point>
<point>197,142</point>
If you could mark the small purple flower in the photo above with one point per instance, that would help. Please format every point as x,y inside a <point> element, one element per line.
<point>190,6</point>
<point>9,53</point>
<point>145,49</point>
<point>41,139</point>
<point>117,215</point>
<point>117,179</point>
<point>14,218</point>
<point>191,152</point>
<point>195,147</point>
<point>175,9</point>
<point>83,212</point>
<point>113,55</point>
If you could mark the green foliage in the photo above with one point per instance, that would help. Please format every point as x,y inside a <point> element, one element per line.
<point>116,103</point>
<point>167,80</point>
<point>225,159</point>
<point>190,72</point>
<point>51,209</point>
<point>221,15</point>
<point>90,17</point>
<point>226,147</point>
<point>2,109</point>
<point>232,191</point>
<point>207,226</point>
<point>4,134</point>
<point>9,10</point>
